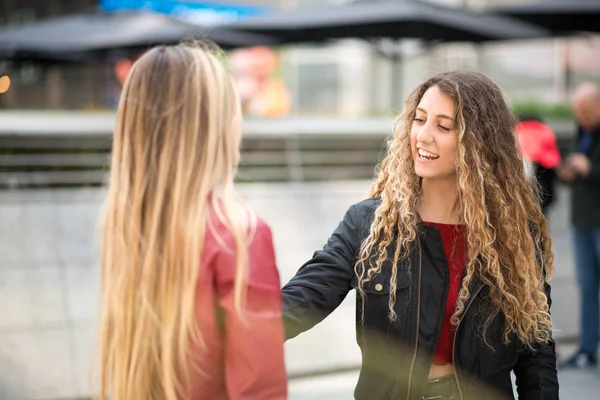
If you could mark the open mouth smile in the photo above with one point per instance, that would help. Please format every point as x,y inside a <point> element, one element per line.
<point>424,154</point>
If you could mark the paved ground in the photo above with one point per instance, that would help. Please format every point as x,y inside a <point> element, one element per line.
<point>49,283</point>
<point>574,385</point>
<point>580,385</point>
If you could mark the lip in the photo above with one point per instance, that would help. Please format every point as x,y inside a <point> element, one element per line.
<point>423,160</point>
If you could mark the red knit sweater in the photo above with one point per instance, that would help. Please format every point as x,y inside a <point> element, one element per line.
<point>453,237</point>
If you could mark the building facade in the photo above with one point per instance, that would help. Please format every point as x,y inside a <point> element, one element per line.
<point>345,78</point>
<point>62,86</point>
<point>357,81</point>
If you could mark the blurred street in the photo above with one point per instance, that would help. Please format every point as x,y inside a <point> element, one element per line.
<point>320,83</point>
<point>50,288</point>
<point>575,385</point>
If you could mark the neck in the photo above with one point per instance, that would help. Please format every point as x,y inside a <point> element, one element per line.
<point>439,198</point>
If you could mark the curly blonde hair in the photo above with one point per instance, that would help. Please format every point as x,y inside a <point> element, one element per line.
<point>507,235</point>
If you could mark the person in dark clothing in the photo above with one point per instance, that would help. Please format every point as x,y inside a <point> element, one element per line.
<point>581,170</point>
<point>546,178</point>
<point>450,257</point>
<point>538,144</point>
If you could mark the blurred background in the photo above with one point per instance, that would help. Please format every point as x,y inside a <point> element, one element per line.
<point>320,83</point>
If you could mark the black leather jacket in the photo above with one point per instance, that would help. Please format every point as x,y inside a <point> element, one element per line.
<point>396,356</point>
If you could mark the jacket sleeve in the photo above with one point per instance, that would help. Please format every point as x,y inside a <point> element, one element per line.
<point>536,369</point>
<point>254,338</point>
<point>323,282</point>
<point>594,175</point>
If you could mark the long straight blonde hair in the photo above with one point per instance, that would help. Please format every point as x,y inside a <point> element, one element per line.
<point>176,145</point>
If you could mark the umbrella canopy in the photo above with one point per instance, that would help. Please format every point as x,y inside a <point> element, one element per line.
<point>80,35</point>
<point>390,19</point>
<point>558,15</point>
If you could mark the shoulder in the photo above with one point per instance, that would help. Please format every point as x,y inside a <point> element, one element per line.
<point>260,235</point>
<point>364,211</point>
<point>355,224</point>
<point>221,237</point>
<point>262,228</point>
<point>221,251</point>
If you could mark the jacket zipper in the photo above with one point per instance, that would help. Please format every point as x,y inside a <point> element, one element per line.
<point>456,375</point>
<point>414,359</point>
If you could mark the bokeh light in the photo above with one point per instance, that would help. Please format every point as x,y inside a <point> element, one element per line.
<point>4,84</point>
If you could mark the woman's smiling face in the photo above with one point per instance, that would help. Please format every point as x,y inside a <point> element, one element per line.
<point>434,139</point>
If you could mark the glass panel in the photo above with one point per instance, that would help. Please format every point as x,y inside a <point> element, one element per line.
<point>318,88</point>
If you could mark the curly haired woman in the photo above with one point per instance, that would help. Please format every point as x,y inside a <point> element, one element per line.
<point>449,256</point>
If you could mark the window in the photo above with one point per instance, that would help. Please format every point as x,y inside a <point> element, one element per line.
<point>318,88</point>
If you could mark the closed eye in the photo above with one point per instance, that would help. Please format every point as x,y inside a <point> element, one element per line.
<point>445,129</point>
<point>419,120</point>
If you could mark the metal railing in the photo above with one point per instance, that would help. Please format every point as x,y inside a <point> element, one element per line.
<point>67,150</point>
<point>72,149</point>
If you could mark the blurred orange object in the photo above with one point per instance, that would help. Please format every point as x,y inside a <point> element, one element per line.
<point>260,62</point>
<point>4,84</point>
<point>262,93</point>
<point>538,143</point>
<point>122,69</point>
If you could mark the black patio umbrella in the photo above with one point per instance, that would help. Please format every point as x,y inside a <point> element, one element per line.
<point>87,35</point>
<point>389,19</point>
<point>559,16</point>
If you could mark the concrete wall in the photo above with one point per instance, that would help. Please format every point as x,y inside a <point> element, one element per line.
<point>49,281</point>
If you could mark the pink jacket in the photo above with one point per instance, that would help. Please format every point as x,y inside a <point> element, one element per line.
<point>242,356</point>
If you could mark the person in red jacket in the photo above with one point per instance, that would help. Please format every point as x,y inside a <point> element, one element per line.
<point>191,301</point>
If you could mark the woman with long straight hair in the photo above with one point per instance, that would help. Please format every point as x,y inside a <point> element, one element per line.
<point>450,257</point>
<point>191,302</point>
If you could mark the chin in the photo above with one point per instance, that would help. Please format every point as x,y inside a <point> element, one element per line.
<point>424,175</point>
<point>434,175</point>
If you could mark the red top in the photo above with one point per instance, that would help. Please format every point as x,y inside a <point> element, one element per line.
<point>455,248</point>
<point>242,356</point>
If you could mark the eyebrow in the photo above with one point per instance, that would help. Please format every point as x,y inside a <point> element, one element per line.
<point>438,116</point>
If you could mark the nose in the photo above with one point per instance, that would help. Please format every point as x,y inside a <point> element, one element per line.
<point>424,135</point>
